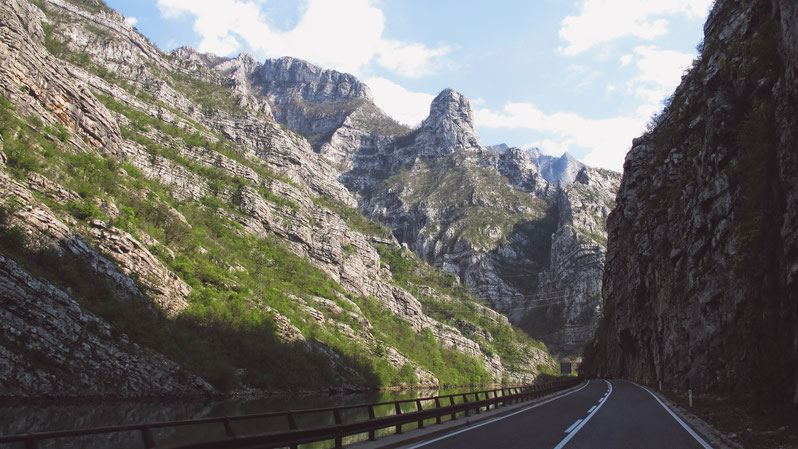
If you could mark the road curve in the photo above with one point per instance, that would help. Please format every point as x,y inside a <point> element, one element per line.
<point>602,414</point>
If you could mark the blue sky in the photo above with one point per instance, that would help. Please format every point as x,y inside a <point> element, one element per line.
<point>582,76</point>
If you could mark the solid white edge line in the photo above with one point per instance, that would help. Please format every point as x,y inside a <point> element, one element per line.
<point>582,424</point>
<point>576,423</point>
<point>591,409</point>
<point>424,443</point>
<point>700,440</point>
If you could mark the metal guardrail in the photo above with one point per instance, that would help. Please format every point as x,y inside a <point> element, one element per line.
<point>294,436</point>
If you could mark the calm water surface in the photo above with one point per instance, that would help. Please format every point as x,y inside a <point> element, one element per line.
<point>65,416</point>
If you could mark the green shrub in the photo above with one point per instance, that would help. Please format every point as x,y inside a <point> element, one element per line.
<point>84,209</point>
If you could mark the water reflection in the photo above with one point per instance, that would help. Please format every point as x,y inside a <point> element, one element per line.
<point>66,416</point>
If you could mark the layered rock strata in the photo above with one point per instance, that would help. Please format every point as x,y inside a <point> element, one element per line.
<point>700,283</point>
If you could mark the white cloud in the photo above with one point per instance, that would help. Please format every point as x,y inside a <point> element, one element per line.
<point>552,147</point>
<point>341,35</point>
<point>601,21</point>
<point>411,60</point>
<point>658,74</point>
<point>403,105</point>
<point>662,67</point>
<point>132,21</point>
<point>626,60</point>
<point>606,140</point>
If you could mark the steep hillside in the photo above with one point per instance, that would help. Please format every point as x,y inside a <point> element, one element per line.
<point>487,216</point>
<point>151,203</point>
<point>494,220</point>
<point>700,285</point>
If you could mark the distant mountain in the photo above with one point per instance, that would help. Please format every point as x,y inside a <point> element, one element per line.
<point>555,170</point>
<point>491,219</point>
<point>498,149</point>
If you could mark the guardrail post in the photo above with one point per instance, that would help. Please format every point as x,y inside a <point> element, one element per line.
<point>292,425</point>
<point>146,437</point>
<point>228,427</point>
<point>451,402</point>
<point>339,441</point>
<point>419,408</point>
<point>476,399</point>
<point>398,412</point>
<point>496,399</point>
<point>372,415</point>
<point>437,405</point>
<point>465,401</point>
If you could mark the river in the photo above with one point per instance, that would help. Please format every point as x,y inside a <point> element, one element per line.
<point>40,417</point>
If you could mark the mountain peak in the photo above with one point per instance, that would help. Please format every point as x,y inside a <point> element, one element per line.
<point>317,85</point>
<point>454,105</point>
<point>449,126</point>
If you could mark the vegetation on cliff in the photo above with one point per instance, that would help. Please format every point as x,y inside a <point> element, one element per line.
<point>246,242</point>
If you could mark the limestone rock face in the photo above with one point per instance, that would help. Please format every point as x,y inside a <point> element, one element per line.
<point>303,97</point>
<point>561,169</point>
<point>164,287</point>
<point>38,85</point>
<point>489,217</point>
<point>197,133</point>
<point>448,128</point>
<point>566,310</point>
<point>52,348</point>
<point>700,283</point>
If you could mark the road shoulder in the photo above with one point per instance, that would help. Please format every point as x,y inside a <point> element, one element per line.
<point>712,436</point>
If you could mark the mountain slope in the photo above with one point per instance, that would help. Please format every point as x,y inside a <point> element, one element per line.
<point>700,284</point>
<point>487,218</point>
<point>195,220</point>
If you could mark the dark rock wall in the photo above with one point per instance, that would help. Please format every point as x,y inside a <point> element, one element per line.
<point>700,283</point>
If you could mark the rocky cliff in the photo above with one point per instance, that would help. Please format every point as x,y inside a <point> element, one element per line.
<point>700,282</point>
<point>490,221</point>
<point>189,217</point>
<point>492,218</point>
<point>566,309</point>
<point>486,215</point>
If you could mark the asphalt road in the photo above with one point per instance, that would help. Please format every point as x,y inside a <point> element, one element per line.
<point>601,415</point>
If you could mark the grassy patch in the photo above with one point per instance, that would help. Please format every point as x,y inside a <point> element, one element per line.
<point>354,218</point>
<point>462,309</point>
<point>452,368</point>
<point>208,95</point>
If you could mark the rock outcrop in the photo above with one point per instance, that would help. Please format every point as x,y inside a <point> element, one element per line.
<point>38,85</point>
<point>700,283</point>
<point>53,348</point>
<point>566,309</point>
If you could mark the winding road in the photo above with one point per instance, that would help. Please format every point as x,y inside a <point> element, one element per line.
<point>601,414</point>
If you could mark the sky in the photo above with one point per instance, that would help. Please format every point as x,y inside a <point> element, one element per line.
<point>582,76</point>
